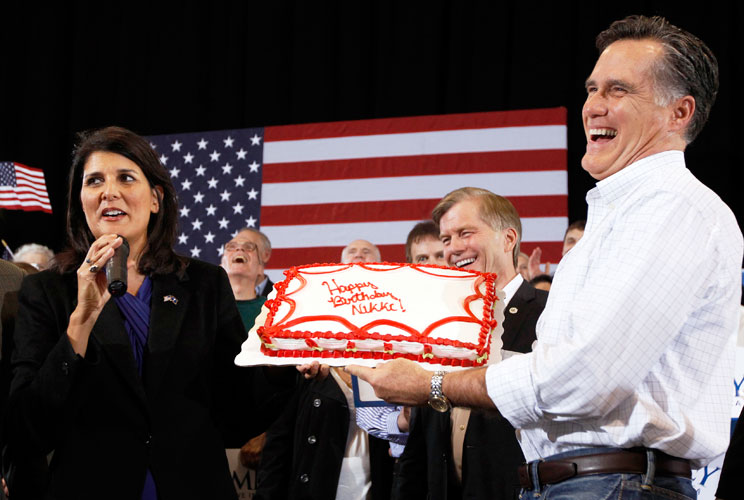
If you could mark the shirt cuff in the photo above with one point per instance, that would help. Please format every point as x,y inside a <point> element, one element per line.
<point>510,387</point>
<point>395,435</point>
<point>391,421</point>
<point>396,450</point>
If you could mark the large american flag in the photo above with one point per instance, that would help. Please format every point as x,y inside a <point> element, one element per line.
<point>23,188</point>
<point>314,188</point>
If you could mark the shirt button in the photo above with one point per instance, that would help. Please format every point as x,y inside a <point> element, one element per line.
<point>304,478</point>
<point>148,439</point>
<point>311,440</point>
<point>316,402</point>
<point>65,367</point>
<point>462,427</point>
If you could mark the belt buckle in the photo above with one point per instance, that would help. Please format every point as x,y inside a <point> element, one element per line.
<point>562,470</point>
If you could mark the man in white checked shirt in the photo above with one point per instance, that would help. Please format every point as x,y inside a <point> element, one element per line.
<point>628,385</point>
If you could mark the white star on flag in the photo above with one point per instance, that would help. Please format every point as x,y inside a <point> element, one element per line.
<point>204,166</point>
<point>254,167</point>
<point>252,194</point>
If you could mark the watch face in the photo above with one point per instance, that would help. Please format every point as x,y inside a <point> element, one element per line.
<point>439,403</point>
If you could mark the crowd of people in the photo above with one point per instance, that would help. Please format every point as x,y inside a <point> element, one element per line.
<point>615,378</point>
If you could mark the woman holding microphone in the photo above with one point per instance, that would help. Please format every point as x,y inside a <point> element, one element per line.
<point>138,395</point>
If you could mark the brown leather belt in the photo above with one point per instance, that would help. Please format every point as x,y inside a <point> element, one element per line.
<point>613,462</point>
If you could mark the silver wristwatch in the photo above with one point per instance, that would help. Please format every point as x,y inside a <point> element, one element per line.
<point>437,399</point>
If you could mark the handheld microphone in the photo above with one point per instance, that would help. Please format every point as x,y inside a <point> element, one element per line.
<point>116,269</point>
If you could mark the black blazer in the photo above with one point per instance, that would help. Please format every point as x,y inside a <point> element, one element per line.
<point>105,424</point>
<point>305,447</point>
<point>491,452</point>
<point>268,288</point>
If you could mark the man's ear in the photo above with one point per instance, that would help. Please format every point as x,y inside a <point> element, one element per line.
<point>682,111</point>
<point>510,239</point>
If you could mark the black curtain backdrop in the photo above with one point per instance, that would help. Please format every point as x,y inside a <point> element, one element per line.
<point>193,66</point>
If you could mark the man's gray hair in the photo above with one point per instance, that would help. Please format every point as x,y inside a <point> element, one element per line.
<point>265,242</point>
<point>688,66</point>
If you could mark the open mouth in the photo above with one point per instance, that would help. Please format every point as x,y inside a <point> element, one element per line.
<point>464,262</point>
<point>113,212</point>
<point>240,259</point>
<point>602,134</point>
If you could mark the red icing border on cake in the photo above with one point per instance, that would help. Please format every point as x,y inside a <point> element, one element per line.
<point>278,329</point>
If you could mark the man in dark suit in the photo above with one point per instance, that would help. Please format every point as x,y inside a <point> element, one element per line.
<point>462,453</point>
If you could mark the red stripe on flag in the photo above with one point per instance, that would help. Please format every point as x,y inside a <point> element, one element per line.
<point>284,258</point>
<point>462,163</point>
<point>551,250</point>
<point>531,117</point>
<point>376,211</point>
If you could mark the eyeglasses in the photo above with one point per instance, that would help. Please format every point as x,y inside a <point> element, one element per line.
<point>245,245</point>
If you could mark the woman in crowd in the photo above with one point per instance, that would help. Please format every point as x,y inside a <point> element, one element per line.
<point>138,395</point>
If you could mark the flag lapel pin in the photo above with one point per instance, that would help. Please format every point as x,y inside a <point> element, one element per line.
<point>170,298</point>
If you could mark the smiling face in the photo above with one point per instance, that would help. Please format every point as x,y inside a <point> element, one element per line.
<point>241,255</point>
<point>428,250</point>
<point>117,198</point>
<point>623,121</point>
<point>471,243</point>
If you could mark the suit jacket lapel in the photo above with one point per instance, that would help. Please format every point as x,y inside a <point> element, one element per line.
<point>513,321</point>
<point>109,332</point>
<point>170,301</point>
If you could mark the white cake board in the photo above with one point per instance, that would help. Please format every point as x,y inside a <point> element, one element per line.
<point>251,355</point>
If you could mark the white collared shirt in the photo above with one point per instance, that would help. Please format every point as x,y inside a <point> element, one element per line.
<point>635,346</point>
<point>511,288</point>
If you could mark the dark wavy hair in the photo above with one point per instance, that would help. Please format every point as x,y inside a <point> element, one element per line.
<point>688,66</point>
<point>425,229</point>
<point>158,256</point>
